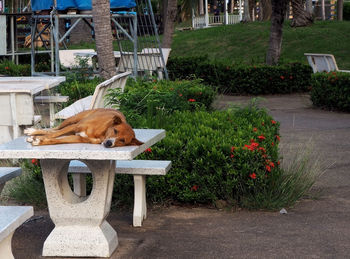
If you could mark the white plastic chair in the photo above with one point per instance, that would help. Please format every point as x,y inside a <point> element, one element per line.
<point>323,62</point>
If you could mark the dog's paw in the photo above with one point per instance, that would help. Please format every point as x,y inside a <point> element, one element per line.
<point>30,139</point>
<point>29,131</point>
<point>36,142</point>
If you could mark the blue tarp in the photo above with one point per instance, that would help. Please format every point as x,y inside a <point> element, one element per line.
<point>38,5</point>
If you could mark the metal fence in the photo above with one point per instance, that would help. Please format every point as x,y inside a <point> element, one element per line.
<point>199,21</point>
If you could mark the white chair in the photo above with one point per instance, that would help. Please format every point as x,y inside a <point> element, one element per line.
<point>96,100</point>
<point>323,63</point>
<point>148,60</point>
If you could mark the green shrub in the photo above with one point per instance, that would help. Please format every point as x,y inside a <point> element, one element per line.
<point>331,90</point>
<point>242,79</point>
<point>161,97</point>
<point>77,86</point>
<point>215,155</point>
<point>346,11</point>
<point>11,69</point>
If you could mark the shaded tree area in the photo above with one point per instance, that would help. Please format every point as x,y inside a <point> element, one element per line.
<point>301,17</point>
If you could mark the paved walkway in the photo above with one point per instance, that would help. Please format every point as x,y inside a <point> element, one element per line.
<point>312,229</point>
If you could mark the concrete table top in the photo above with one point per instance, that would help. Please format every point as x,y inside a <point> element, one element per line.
<point>30,84</point>
<point>19,148</point>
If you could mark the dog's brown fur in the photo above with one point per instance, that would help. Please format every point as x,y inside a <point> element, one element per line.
<point>107,126</point>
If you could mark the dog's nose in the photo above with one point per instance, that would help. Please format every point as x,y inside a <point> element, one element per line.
<point>108,143</point>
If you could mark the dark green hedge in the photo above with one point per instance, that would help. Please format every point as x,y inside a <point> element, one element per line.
<point>346,11</point>
<point>260,79</point>
<point>331,91</point>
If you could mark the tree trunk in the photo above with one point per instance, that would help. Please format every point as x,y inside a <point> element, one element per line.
<point>265,10</point>
<point>275,42</point>
<point>340,5</point>
<point>246,15</point>
<point>308,4</point>
<point>169,23</point>
<point>232,6</point>
<point>103,37</point>
<point>301,18</point>
<point>201,7</point>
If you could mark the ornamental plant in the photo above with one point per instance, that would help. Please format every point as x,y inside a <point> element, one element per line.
<point>215,155</point>
<point>331,91</point>
<point>243,79</point>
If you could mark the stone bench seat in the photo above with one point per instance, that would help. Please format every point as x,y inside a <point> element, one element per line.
<point>7,173</point>
<point>138,168</point>
<point>11,217</point>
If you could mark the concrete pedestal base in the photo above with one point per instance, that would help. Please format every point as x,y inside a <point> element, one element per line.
<point>72,241</point>
<point>80,226</point>
<point>5,247</point>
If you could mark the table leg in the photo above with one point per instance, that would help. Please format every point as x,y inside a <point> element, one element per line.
<point>80,225</point>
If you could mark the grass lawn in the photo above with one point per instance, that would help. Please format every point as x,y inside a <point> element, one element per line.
<point>248,42</point>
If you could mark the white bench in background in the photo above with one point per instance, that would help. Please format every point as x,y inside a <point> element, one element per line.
<point>11,217</point>
<point>138,168</point>
<point>6,174</point>
<point>323,63</point>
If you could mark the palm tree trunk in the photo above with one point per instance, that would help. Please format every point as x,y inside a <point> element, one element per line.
<point>276,31</point>
<point>232,6</point>
<point>340,6</point>
<point>265,9</point>
<point>323,10</point>
<point>246,14</point>
<point>103,37</point>
<point>301,18</point>
<point>308,4</point>
<point>169,23</point>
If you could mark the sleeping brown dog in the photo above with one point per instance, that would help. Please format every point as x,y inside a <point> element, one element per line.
<point>106,126</point>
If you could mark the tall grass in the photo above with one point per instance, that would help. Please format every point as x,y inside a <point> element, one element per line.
<point>299,175</point>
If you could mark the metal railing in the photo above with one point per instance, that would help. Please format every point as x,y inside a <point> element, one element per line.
<point>199,21</point>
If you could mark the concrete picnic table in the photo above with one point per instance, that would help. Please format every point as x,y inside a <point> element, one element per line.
<point>16,102</point>
<point>81,228</point>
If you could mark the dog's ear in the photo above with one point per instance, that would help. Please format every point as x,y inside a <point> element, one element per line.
<point>117,120</point>
<point>135,142</point>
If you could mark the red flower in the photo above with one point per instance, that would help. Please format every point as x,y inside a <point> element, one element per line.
<point>233,149</point>
<point>282,77</point>
<point>261,137</point>
<point>35,161</point>
<point>253,176</point>
<point>180,94</point>
<point>232,155</point>
<point>273,122</point>
<point>278,162</point>
<point>262,149</point>
<point>191,100</point>
<point>255,129</point>
<point>272,144</point>
<point>263,123</point>
<point>148,150</point>
<point>194,188</point>
<point>268,168</point>
<point>264,156</point>
<point>252,140</point>
<point>272,164</point>
<point>7,68</point>
<point>278,138</point>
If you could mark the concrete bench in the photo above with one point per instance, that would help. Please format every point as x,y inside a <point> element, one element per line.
<point>7,173</point>
<point>11,217</point>
<point>138,168</point>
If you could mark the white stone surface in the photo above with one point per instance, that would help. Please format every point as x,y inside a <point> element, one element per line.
<point>139,167</point>
<point>29,84</point>
<point>11,217</point>
<point>19,148</point>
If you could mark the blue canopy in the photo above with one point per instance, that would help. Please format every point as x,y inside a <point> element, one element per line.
<point>38,5</point>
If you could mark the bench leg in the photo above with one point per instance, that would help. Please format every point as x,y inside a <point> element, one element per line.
<point>79,184</point>
<point>1,187</point>
<point>140,206</point>
<point>5,247</point>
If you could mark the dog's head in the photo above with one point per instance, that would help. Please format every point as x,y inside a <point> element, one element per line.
<point>120,134</point>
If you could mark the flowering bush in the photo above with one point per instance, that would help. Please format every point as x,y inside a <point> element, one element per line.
<point>215,155</point>
<point>243,79</point>
<point>11,69</point>
<point>331,90</point>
